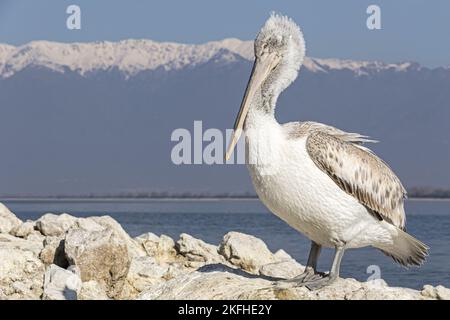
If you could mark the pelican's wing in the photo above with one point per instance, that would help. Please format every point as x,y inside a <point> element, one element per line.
<point>360,173</point>
<point>299,129</point>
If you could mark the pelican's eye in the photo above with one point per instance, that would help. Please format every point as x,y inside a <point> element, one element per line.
<point>276,42</point>
<point>279,39</point>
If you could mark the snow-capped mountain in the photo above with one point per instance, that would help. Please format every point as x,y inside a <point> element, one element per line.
<point>98,117</point>
<point>133,56</point>
<point>128,56</point>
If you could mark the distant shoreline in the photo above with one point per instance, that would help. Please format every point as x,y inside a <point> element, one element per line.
<point>166,199</point>
<point>126,199</point>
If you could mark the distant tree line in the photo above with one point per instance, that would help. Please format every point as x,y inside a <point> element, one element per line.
<point>414,192</point>
<point>139,195</point>
<point>428,192</point>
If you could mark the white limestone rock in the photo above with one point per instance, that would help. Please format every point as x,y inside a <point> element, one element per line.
<point>53,251</point>
<point>161,248</point>
<point>8,220</point>
<point>134,249</point>
<point>21,273</point>
<point>438,292</point>
<point>8,241</point>
<point>100,255</point>
<point>88,224</point>
<point>235,284</point>
<point>35,236</point>
<point>60,284</point>
<point>55,225</point>
<point>287,269</point>
<point>92,290</point>
<point>245,251</point>
<point>111,265</point>
<point>23,230</point>
<point>143,272</point>
<point>196,250</point>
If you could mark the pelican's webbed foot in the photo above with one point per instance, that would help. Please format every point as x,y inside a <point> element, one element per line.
<point>318,283</point>
<point>308,275</point>
<point>310,279</point>
<point>315,280</point>
<point>328,279</point>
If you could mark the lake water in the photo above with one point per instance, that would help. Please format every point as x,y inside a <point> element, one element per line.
<point>209,220</point>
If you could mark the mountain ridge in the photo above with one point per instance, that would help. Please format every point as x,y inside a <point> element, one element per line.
<point>132,56</point>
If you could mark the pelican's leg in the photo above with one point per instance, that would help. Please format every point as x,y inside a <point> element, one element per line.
<point>315,284</point>
<point>311,267</point>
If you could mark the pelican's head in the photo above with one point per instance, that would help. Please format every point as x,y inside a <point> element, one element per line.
<point>280,44</point>
<point>279,53</point>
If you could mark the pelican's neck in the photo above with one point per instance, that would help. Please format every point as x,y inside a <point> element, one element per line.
<point>264,142</point>
<point>262,107</point>
<point>264,101</point>
<point>258,117</point>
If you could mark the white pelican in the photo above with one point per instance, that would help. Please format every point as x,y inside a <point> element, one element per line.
<point>318,179</point>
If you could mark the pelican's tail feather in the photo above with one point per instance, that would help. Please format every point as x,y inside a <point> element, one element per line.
<point>406,250</point>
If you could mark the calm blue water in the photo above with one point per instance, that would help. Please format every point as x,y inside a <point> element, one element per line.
<point>209,220</point>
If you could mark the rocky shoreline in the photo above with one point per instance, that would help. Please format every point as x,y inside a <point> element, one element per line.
<point>63,257</point>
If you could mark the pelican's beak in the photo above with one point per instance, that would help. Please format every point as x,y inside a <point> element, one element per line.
<point>261,69</point>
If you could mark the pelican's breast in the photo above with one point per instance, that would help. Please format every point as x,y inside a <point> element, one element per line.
<point>289,183</point>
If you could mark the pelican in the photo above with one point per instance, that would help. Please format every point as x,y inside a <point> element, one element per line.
<point>320,180</point>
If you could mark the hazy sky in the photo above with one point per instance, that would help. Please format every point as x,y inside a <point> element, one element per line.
<point>414,30</point>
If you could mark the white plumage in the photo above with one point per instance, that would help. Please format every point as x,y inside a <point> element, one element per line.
<point>318,179</point>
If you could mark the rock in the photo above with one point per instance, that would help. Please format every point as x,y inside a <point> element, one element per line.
<point>442,293</point>
<point>207,285</point>
<point>287,269</point>
<point>198,251</point>
<point>284,268</point>
<point>149,242</point>
<point>143,272</point>
<point>438,292</point>
<point>100,255</point>
<point>222,283</point>
<point>8,220</point>
<point>55,225</point>
<point>161,248</point>
<point>92,290</point>
<point>21,274</point>
<point>23,230</point>
<point>245,251</point>
<point>166,244</point>
<point>35,236</point>
<point>88,224</point>
<point>8,241</point>
<point>94,258</point>
<point>148,268</point>
<point>53,252</point>
<point>134,249</point>
<point>282,255</point>
<point>176,269</point>
<point>429,291</point>
<point>149,236</point>
<point>60,284</point>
